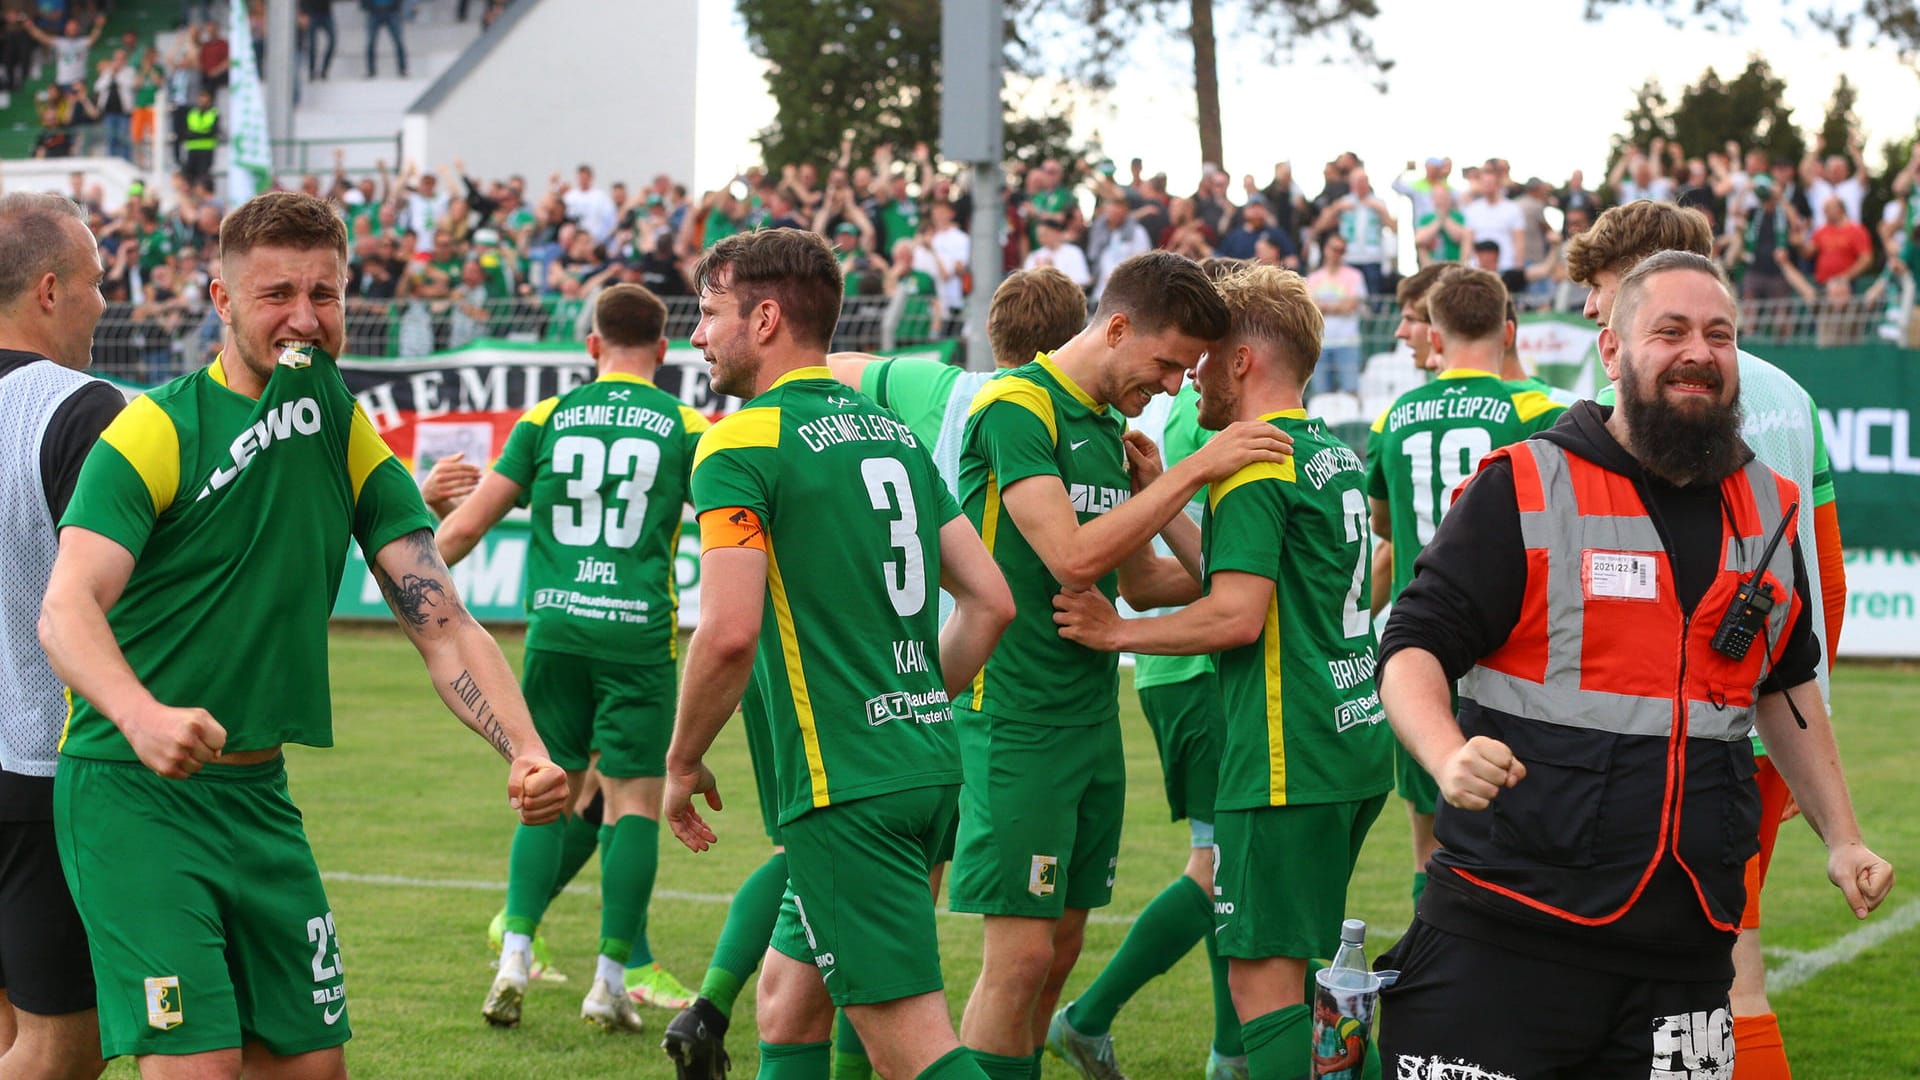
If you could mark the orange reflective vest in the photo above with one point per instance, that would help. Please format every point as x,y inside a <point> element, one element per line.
<point>1634,730</point>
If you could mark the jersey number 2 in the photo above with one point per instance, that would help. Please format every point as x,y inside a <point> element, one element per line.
<point>586,463</point>
<point>1355,614</point>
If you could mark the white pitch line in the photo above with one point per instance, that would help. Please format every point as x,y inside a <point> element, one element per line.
<point>582,890</point>
<point>1806,965</point>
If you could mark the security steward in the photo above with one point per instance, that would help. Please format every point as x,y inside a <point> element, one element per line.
<point>1621,598</point>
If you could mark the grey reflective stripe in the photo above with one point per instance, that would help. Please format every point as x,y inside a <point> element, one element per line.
<point>1591,710</point>
<point>1706,720</point>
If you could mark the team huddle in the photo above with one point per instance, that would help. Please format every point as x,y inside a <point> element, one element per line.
<point>910,576</point>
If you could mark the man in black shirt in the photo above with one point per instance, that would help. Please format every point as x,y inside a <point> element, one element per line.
<point>1599,802</point>
<point>50,301</point>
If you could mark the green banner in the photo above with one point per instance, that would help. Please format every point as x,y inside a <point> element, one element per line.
<point>1867,395</point>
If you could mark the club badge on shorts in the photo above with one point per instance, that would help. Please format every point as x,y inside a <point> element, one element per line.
<point>163,1002</point>
<point>1040,876</point>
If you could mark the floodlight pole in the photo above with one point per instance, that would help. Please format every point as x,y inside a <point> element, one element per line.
<point>282,29</point>
<point>971,46</point>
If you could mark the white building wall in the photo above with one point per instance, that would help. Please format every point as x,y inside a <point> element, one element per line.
<point>602,82</point>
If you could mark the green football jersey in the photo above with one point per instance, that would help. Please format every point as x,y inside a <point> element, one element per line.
<point>1304,722</point>
<point>237,513</point>
<point>851,511</point>
<point>1183,436</point>
<point>604,469</point>
<point>1035,421</point>
<point>1433,438</point>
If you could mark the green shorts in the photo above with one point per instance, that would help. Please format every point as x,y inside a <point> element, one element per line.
<point>1412,783</point>
<point>761,754</point>
<point>857,905</point>
<point>1039,816</point>
<point>1189,727</point>
<point>203,907</point>
<point>1280,876</point>
<point>623,710</point>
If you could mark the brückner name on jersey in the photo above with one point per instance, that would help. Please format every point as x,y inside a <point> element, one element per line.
<point>1093,499</point>
<point>290,418</point>
<point>626,416</point>
<point>1465,406</point>
<point>928,708</point>
<point>1328,463</point>
<point>854,427</point>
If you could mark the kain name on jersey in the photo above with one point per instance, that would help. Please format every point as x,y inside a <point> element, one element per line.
<point>300,417</point>
<point>903,706</point>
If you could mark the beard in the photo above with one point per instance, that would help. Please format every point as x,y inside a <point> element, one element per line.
<point>735,367</point>
<point>1218,404</point>
<point>1686,442</point>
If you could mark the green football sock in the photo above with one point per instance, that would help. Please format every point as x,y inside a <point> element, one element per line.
<point>794,1061</point>
<point>1002,1067</point>
<point>849,1053</point>
<point>958,1064</point>
<point>582,840</point>
<point>1172,924</point>
<point>1226,1022</point>
<point>744,936</point>
<point>531,868</point>
<point>1419,887</point>
<point>628,861</point>
<point>1280,1044</point>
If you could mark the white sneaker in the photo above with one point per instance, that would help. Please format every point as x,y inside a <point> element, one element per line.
<point>608,1008</point>
<point>502,1008</point>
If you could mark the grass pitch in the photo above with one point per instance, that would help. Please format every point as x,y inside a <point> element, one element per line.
<point>409,821</point>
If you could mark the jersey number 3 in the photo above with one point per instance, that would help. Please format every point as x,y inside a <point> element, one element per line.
<point>889,489</point>
<point>587,463</point>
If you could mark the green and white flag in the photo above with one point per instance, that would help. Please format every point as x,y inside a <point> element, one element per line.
<point>250,162</point>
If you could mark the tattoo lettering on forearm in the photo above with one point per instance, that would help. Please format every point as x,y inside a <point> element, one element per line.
<point>485,721</point>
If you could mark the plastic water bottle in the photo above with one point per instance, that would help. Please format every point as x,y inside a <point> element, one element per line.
<point>1349,969</point>
<point>1343,1005</point>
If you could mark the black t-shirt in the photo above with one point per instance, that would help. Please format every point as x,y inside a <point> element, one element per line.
<point>70,433</point>
<point>661,274</point>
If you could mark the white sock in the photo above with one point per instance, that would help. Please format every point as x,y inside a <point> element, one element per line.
<point>613,971</point>
<point>511,943</point>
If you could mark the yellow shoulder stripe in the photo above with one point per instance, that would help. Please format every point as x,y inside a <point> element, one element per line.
<point>755,427</point>
<point>1380,422</point>
<point>1259,470</point>
<point>1532,404</point>
<point>537,416</point>
<point>144,434</point>
<point>693,419</point>
<point>1028,395</point>
<point>365,450</point>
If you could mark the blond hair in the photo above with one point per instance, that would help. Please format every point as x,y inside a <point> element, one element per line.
<point>1269,305</point>
<point>1624,235</point>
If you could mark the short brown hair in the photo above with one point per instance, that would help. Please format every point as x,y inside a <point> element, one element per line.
<point>1626,234</point>
<point>629,315</point>
<point>283,219</point>
<point>1633,284</point>
<point>1034,311</point>
<point>1158,290</point>
<point>1272,306</point>
<point>796,270</point>
<point>1470,303</point>
<point>33,241</point>
<point>1412,291</point>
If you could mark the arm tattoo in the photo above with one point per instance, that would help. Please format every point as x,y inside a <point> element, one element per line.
<point>485,721</point>
<point>419,599</point>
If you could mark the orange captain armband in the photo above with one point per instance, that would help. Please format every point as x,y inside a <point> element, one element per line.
<point>731,527</point>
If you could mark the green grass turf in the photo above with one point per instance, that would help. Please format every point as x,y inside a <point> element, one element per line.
<point>408,792</point>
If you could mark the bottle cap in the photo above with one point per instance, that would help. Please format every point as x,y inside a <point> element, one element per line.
<point>1353,931</point>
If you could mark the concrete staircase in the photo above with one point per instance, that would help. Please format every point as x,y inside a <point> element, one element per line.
<point>361,116</point>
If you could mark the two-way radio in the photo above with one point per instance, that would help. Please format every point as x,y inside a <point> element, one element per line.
<point>1746,615</point>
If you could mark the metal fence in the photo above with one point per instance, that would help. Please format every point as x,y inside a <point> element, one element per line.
<point>151,343</point>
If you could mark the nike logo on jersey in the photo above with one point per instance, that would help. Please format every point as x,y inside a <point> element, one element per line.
<point>332,1016</point>
<point>1077,445</point>
<point>291,418</point>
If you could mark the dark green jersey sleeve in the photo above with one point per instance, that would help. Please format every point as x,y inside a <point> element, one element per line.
<point>1248,522</point>
<point>735,463</point>
<point>1377,460</point>
<point>520,457</point>
<point>386,502</point>
<point>1015,443</point>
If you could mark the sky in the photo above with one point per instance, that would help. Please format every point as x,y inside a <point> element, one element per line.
<point>1528,80</point>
